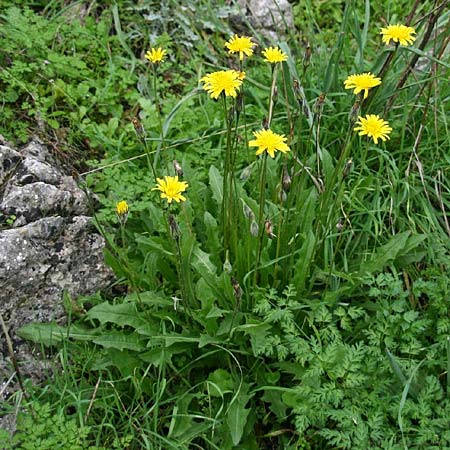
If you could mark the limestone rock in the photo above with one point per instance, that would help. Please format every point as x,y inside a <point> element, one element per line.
<point>271,17</point>
<point>48,246</point>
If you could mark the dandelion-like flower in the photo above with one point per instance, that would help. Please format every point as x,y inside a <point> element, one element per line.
<point>267,140</point>
<point>398,33</point>
<point>274,55</point>
<point>122,208</point>
<point>156,55</point>
<point>227,81</point>
<point>240,44</point>
<point>362,82</point>
<point>374,127</point>
<point>171,188</point>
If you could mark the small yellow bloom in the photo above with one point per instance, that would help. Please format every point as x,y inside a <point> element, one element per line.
<point>362,82</point>
<point>274,55</point>
<point>374,127</point>
<point>122,208</point>
<point>240,44</point>
<point>227,81</point>
<point>171,188</point>
<point>267,140</point>
<point>156,55</point>
<point>398,33</point>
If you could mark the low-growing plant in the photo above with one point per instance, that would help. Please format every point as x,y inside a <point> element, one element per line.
<point>278,252</point>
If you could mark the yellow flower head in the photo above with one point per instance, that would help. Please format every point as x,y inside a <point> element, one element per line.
<point>240,44</point>
<point>362,82</point>
<point>274,55</point>
<point>374,127</point>
<point>227,81</point>
<point>122,208</point>
<point>171,188</point>
<point>398,33</point>
<point>156,55</point>
<point>267,140</point>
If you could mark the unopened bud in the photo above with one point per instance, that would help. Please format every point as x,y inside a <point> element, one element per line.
<point>177,168</point>
<point>248,212</point>
<point>347,168</point>
<point>286,180</point>
<point>275,95</point>
<point>174,228</point>
<point>282,196</point>
<point>246,173</point>
<point>268,228</point>
<point>265,123</point>
<point>318,106</point>
<point>296,88</point>
<point>307,56</point>
<point>236,288</point>
<point>254,229</point>
<point>354,112</point>
<point>138,127</point>
<point>227,265</point>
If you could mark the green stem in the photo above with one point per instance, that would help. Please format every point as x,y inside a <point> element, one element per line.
<point>227,185</point>
<point>161,146</point>
<point>262,191</point>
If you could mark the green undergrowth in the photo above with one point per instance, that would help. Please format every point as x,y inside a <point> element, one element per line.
<point>299,302</point>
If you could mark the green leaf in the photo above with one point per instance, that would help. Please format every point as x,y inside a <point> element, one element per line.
<point>385,254</point>
<point>50,333</point>
<point>236,419</point>
<point>121,314</point>
<point>216,183</point>
<point>120,341</point>
<point>304,260</point>
<point>212,233</point>
<point>221,383</point>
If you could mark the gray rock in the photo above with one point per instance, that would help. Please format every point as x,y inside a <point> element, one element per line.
<point>271,17</point>
<point>48,246</point>
<point>9,159</point>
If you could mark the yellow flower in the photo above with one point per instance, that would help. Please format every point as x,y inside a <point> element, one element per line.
<point>274,55</point>
<point>374,127</point>
<point>122,208</point>
<point>171,188</point>
<point>156,55</point>
<point>267,140</point>
<point>227,81</point>
<point>398,33</point>
<point>362,82</point>
<point>240,44</point>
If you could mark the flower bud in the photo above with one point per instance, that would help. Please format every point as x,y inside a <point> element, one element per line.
<point>354,112</point>
<point>174,228</point>
<point>254,229</point>
<point>268,228</point>
<point>138,127</point>
<point>236,289</point>
<point>307,56</point>
<point>246,173</point>
<point>227,267</point>
<point>248,211</point>
<point>177,168</point>
<point>347,168</point>
<point>286,179</point>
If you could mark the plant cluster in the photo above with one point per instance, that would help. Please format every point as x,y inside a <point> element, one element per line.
<point>282,262</point>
